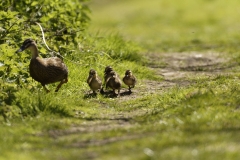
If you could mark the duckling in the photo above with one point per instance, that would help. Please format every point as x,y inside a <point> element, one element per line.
<point>114,82</point>
<point>45,70</point>
<point>107,71</point>
<point>129,79</point>
<point>94,81</point>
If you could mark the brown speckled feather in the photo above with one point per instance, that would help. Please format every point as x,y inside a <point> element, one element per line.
<point>48,70</point>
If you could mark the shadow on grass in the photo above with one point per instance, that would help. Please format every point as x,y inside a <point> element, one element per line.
<point>107,94</point>
<point>90,95</point>
<point>124,119</point>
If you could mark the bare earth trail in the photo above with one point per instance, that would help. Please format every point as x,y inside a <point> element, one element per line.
<point>176,70</point>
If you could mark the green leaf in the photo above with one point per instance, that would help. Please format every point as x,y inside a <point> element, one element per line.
<point>34,3</point>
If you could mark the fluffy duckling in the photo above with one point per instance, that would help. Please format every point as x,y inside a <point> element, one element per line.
<point>107,71</point>
<point>114,82</point>
<point>45,70</point>
<point>129,79</point>
<point>94,81</point>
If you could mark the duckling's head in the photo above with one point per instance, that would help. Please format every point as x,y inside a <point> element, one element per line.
<point>92,73</point>
<point>26,44</point>
<point>128,73</point>
<point>108,69</point>
<point>113,74</point>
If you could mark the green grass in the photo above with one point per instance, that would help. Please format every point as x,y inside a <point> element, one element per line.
<point>195,121</point>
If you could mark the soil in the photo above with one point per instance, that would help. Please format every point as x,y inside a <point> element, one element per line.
<point>176,69</point>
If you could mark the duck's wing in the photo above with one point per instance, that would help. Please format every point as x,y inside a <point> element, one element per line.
<point>48,70</point>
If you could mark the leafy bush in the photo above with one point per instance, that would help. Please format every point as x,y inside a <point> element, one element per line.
<point>63,23</point>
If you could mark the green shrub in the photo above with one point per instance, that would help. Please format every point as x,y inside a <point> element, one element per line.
<point>63,23</point>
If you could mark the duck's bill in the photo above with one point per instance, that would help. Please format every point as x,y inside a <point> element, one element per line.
<point>20,50</point>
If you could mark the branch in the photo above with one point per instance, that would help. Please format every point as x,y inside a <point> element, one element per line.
<point>8,30</point>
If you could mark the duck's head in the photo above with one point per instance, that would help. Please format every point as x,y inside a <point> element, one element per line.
<point>26,44</point>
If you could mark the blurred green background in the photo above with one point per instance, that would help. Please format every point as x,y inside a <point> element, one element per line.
<point>171,25</point>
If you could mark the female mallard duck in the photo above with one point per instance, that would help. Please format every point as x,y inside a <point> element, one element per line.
<point>94,81</point>
<point>45,70</point>
<point>114,82</point>
<point>129,79</point>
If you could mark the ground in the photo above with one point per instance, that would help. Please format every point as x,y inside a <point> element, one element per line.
<point>177,69</point>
